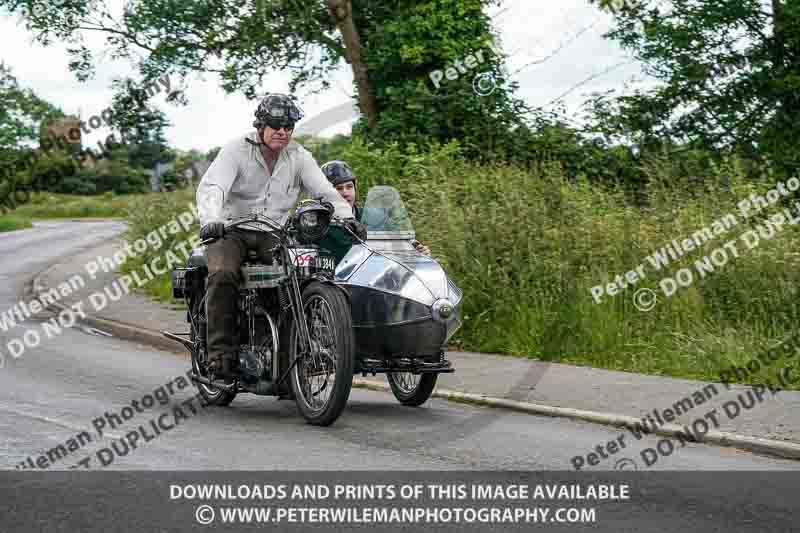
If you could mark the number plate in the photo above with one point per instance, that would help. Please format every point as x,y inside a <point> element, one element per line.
<point>314,261</point>
<point>325,262</point>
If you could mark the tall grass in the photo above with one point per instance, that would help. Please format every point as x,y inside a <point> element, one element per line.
<point>158,211</point>
<point>527,246</point>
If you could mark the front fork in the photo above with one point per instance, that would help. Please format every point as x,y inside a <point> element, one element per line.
<point>297,305</point>
<point>298,314</point>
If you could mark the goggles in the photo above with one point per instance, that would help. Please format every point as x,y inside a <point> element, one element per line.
<point>277,123</point>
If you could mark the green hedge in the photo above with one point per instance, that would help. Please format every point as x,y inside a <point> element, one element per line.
<point>527,246</point>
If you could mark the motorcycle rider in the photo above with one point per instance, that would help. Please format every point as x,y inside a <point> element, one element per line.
<point>341,176</point>
<point>264,170</point>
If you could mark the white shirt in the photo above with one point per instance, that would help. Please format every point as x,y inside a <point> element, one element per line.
<point>238,182</point>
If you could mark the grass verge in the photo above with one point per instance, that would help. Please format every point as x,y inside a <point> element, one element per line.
<point>13,223</point>
<point>49,205</point>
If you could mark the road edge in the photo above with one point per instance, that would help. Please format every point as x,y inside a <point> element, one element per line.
<point>155,339</point>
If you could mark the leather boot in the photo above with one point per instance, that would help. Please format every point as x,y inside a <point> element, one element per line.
<point>225,368</point>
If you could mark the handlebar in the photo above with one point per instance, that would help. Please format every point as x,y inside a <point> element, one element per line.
<point>261,219</point>
<point>249,219</point>
<point>274,226</point>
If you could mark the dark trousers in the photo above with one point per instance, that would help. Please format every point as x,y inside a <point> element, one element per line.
<point>225,258</point>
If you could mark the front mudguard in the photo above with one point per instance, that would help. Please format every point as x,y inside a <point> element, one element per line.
<point>321,278</point>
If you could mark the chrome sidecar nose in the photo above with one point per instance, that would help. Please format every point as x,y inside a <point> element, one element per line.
<point>401,301</point>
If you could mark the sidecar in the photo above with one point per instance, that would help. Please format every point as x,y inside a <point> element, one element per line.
<point>404,306</point>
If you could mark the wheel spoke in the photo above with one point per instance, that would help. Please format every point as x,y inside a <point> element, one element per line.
<point>407,381</point>
<point>318,373</point>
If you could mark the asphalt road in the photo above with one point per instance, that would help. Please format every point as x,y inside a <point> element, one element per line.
<point>69,383</point>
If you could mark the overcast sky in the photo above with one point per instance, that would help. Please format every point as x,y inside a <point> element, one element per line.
<point>530,30</point>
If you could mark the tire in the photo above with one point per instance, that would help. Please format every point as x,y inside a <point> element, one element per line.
<point>412,390</point>
<point>212,395</point>
<point>327,314</point>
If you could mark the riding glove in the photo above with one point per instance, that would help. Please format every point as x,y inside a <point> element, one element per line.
<point>356,227</point>
<point>212,230</point>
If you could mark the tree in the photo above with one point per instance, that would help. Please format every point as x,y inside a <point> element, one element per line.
<point>22,112</point>
<point>730,73</point>
<point>427,61</point>
<point>22,115</point>
<point>241,40</point>
<point>392,47</point>
<point>342,12</point>
<point>140,125</point>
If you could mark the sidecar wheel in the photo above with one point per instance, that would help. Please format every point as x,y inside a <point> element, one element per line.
<point>321,381</point>
<point>412,390</point>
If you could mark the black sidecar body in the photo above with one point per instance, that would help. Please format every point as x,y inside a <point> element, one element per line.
<point>405,308</point>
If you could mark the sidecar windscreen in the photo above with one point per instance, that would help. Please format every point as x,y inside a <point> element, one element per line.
<point>384,211</point>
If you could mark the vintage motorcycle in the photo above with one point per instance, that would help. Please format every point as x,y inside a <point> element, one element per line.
<point>384,308</point>
<point>296,335</point>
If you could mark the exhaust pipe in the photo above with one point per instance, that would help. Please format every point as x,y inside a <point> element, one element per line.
<point>177,337</point>
<point>216,384</point>
<point>233,387</point>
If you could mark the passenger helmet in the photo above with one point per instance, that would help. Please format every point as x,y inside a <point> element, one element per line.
<point>338,172</point>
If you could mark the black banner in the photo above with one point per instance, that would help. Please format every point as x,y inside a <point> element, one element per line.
<point>398,501</point>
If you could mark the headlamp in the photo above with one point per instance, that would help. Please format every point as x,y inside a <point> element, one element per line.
<point>311,221</point>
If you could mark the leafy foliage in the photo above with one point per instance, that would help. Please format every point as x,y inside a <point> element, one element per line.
<point>401,42</point>
<point>404,42</point>
<point>730,73</point>
<point>240,40</point>
<point>140,125</point>
<point>21,115</point>
<point>22,112</point>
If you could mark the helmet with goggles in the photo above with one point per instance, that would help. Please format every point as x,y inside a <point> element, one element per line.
<point>338,172</point>
<point>277,111</point>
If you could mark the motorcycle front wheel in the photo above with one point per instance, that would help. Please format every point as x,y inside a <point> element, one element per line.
<point>322,377</point>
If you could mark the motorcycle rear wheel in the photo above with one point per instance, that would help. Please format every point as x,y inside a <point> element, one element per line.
<point>212,395</point>
<point>321,380</point>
